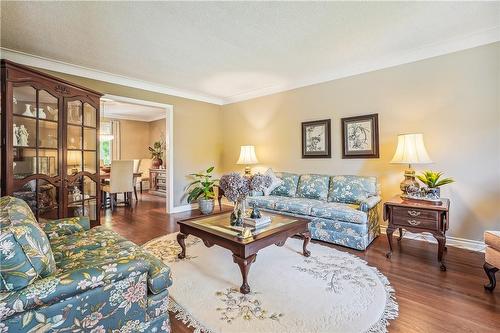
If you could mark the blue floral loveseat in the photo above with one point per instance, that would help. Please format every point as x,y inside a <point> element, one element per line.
<point>62,276</point>
<point>342,209</point>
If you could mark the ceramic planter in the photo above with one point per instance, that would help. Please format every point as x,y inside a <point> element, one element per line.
<point>206,206</point>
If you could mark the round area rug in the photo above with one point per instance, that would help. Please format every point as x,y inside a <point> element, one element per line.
<point>331,291</point>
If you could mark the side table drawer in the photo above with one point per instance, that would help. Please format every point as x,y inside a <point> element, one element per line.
<point>415,213</point>
<point>415,222</point>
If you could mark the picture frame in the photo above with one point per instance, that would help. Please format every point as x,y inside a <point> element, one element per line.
<point>360,137</point>
<point>316,139</point>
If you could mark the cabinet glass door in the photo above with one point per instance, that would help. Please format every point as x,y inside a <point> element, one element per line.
<point>35,138</point>
<point>81,160</point>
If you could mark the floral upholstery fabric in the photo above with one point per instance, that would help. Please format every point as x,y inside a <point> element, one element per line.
<point>66,226</point>
<point>340,212</point>
<point>103,283</point>
<point>349,215</point>
<point>267,202</point>
<point>289,186</point>
<point>313,187</point>
<point>351,189</point>
<point>24,246</point>
<point>296,205</point>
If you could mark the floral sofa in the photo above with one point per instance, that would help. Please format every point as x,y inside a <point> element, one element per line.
<point>342,209</point>
<point>62,276</point>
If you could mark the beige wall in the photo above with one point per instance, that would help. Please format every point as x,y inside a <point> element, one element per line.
<point>157,129</point>
<point>134,138</point>
<point>452,99</point>
<point>197,135</point>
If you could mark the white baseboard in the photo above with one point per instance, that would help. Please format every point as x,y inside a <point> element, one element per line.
<point>184,208</point>
<point>467,244</point>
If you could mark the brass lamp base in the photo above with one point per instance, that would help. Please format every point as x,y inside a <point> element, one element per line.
<point>248,171</point>
<point>409,182</point>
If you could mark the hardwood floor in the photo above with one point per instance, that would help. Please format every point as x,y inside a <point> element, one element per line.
<point>429,300</point>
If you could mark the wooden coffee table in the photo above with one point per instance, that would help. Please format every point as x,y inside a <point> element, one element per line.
<point>216,230</point>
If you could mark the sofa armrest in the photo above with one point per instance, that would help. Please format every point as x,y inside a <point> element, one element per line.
<point>65,226</point>
<point>159,275</point>
<point>369,203</point>
<point>63,285</point>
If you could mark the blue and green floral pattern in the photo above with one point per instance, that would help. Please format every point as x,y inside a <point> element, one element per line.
<point>296,205</point>
<point>289,186</point>
<point>351,189</point>
<point>66,226</point>
<point>313,187</point>
<point>32,252</point>
<point>103,283</point>
<point>340,212</point>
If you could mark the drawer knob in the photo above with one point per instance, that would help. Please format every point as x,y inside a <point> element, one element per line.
<point>413,213</point>
<point>413,222</point>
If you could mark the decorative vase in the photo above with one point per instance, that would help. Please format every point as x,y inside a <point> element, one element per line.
<point>433,193</point>
<point>238,213</point>
<point>206,206</point>
<point>156,163</point>
<point>27,111</point>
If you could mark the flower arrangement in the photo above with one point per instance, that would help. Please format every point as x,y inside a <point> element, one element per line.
<point>236,188</point>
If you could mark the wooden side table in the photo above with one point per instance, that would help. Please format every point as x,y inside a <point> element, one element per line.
<point>418,216</point>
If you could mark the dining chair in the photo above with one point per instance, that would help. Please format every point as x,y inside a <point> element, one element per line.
<point>144,167</point>
<point>137,164</point>
<point>121,180</point>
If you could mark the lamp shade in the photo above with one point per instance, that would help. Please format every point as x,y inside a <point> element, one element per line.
<point>247,155</point>
<point>411,150</point>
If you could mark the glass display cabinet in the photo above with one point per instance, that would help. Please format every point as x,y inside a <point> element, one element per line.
<point>49,143</point>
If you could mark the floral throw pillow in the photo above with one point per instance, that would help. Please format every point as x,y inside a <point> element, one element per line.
<point>275,182</point>
<point>351,189</point>
<point>313,187</point>
<point>21,234</point>
<point>289,186</point>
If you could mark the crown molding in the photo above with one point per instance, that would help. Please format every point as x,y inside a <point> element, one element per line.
<point>476,39</point>
<point>63,67</point>
<point>472,40</point>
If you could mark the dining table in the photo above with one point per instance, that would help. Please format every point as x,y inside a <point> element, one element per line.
<point>107,175</point>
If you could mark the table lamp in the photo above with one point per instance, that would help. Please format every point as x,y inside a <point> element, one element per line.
<point>410,150</point>
<point>247,157</point>
<point>74,160</point>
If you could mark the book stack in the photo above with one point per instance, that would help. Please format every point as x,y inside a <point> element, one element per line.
<point>263,221</point>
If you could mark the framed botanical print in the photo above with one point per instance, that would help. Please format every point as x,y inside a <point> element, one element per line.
<point>316,139</point>
<point>360,136</point>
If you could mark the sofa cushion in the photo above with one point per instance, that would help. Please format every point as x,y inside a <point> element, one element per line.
<point>17,220</point>
<point>275,182</point>
<point>340,212</point>
<point>16,271</point>
<point>289,186</point>
<point>313,187</point>
<point>300,206</point>
<point>100,247</point>
<point>351,189</point>
<point>266,202</point>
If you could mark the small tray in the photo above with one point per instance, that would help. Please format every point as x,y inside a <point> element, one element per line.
<point>436,202</point>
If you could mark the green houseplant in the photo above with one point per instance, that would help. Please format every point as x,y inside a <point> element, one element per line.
<point>157,152</point>
<point>202,189</point>
<point>433,182</point>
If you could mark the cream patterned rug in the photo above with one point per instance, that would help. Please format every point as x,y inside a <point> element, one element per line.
<point>331,291</point>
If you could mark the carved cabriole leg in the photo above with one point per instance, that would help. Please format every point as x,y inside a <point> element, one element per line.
<point>307,238</point>
<point>244,264</point>
<point>490,272</point>
<point>180,240</point>
<point>441,245</point>
<point>400,234</point>
<point>389,232</point>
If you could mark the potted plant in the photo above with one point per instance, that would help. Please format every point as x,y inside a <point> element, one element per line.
<point>431,179</point>
<point>157,152</point>
<point>202,189</point>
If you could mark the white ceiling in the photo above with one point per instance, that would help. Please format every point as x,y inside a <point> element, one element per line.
<point>122,110</point>
<point>226,52</point>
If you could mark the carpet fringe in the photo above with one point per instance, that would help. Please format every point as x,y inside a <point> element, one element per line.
<point>186,317</point>
<point>391,310</point>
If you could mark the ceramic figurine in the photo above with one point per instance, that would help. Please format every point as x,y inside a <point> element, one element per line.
<point>77,194</point>
<point>41,114</point>
<point>23,136</point>
<point>255,213</point>
<point>15,133</point>
<point>27,111</point>
<point>52,112</point>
